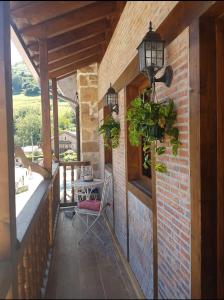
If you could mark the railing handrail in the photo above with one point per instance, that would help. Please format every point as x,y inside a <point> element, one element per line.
<point>74,163</point>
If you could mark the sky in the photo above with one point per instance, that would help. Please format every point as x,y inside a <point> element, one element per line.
<point>15,56</point>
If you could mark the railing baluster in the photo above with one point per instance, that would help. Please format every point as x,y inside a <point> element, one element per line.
<point>65,198</point>
<point>73,165</point>
<point>21,280</point>
<point>72,180</point>
<point>27,278</point>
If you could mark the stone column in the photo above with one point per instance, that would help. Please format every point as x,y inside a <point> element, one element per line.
<point>87,87</point>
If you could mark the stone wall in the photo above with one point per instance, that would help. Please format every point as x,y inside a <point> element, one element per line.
<point>141,242</point>
<point>87,87</point>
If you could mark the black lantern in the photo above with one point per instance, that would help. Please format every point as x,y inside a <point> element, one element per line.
<point>151,57</point>
<point>111,100</point>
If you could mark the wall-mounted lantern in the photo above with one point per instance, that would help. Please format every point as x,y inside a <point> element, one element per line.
<point>151,57</point>
<point>111,100</point>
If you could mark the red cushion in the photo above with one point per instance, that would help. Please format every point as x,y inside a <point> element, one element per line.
<point>89,204</point>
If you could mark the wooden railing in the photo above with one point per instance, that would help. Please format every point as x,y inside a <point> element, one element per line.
<point>35,233</point>
<point>67,184</point>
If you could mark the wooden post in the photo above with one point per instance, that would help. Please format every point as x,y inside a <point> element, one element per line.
<point>7,177</point>
<point>78,132</point>
<point>55,117</point>
<point>45,103</point>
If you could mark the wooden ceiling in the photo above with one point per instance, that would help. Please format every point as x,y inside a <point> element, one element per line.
<point>77,32</point>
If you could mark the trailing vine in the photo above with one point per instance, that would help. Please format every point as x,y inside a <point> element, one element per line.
<point>149,123</point>
<point>110,129</point>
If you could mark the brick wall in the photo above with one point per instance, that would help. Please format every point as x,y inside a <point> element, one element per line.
<point>131,28</point>
<point>119,171</point>
<point>173,188</point>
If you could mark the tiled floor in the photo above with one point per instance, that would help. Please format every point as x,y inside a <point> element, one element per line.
<point>87,271</point>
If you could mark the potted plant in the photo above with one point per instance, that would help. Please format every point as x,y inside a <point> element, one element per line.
<point>151,122</point>
<point>110,129</point>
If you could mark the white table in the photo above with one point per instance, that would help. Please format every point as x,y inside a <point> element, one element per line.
<point>87,186</point>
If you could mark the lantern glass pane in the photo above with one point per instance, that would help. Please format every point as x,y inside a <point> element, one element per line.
<point>141,54</point>
<point>159,54</point>
<point>148,54</point>
<point>154,62</point>
<point>159,63</point>
<point>160,46</point>
<point>113,99</point>
<point>153,45</point>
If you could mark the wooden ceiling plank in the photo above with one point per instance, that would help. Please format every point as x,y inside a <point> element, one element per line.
<point>76,35</point>
<point>62,71</point>
<point>74,19</point>
<point>74,58</point>
<point>75,66</point>
<point>67,75</point>
<point>75,48</point>
<point>46,10</point>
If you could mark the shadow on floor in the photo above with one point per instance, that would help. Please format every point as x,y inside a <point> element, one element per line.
<point>87,271</point>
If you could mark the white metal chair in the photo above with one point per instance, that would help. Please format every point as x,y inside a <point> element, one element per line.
<point>84,214</point>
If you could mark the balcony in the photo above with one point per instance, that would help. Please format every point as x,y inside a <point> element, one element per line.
<point>164,233</point>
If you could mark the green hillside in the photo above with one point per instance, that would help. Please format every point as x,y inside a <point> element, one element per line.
<point>27,119</point>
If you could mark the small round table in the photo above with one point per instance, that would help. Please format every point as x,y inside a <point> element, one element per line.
<point>87,186</point>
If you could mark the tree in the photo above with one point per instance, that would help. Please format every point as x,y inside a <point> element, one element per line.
<point>28,129</point>
<point>22,80</point>
<point>16,84</point>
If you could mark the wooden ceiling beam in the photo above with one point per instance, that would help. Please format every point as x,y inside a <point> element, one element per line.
<point>75,66</point>
<point>75,58</point>
<point>76,35</point>
<point>46,10</point>
<point>74,19</point>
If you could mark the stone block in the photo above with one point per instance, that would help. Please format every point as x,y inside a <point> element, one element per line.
<point>90,147</point>
<point>89,69</point>
<point>84,108</point>
<point>86,135</point>
<point>88,94</point>
<point>83,80</point>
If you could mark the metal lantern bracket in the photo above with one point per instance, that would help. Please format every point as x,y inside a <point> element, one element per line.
<point>114,108</point>
<point>166,78</point>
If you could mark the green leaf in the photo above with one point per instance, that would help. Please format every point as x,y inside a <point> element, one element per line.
<point>137,102</point>
<point>160,167</point>
<point>160,150</point>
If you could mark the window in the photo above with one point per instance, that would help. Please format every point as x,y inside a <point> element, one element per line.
<point>138,176</point>
<point>107,152</point>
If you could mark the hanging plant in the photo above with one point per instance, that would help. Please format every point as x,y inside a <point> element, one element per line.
<point>149,123</point>
<point>110,129</point>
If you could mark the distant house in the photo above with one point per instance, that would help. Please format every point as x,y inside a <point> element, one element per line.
<point>67,141</point>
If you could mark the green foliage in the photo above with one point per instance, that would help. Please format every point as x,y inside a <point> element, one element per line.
<point>28,127</point>
<point>16,84</point>
<point>150,122</point>
<point>27,110</point>
<point>68,155</point>
<point>110,130</point>
<point>66,120</point>
<point>23,81</point>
